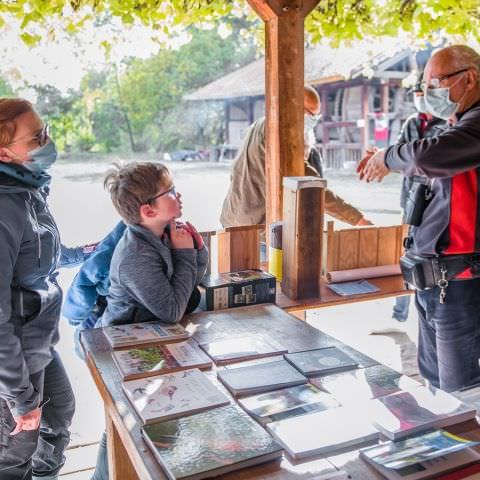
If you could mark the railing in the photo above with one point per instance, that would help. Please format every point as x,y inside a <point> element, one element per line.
<point>337,154</point>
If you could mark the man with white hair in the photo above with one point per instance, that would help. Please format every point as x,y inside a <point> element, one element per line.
<point>443,250</point>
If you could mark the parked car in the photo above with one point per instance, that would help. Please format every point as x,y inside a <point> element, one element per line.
<point>183,155</point>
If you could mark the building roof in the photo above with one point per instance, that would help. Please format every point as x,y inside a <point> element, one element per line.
<point>323,64</point>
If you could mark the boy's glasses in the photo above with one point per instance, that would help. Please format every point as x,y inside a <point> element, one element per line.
<point>41,137</point>
<point>170,191</point>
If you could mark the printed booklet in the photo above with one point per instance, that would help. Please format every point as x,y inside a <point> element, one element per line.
<point>144,333</point>
<point>363,384</point>
<point>175,394</point>
<point>147,361</point>
<point>287,402</point>
<point>243,348</point>
<point>322,433</point>
<point>398,455</point>
<point>209,444</point>
<point>402,414</point>
<point>322,361</point>
<point>444,467</point>
<point>243,381</point>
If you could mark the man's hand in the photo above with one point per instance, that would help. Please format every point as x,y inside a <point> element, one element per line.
<point>180,236</point>
<point>29,421</point>
<point>372,167</point>
<point>363,222</point>
<point>197,238</point>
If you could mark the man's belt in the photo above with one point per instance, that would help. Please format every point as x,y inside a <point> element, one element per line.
<point>424,273</point>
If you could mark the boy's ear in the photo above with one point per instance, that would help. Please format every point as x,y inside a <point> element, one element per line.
<point>146,211</point>
<point>4,156</point>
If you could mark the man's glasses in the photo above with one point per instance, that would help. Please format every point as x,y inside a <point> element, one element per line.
<point>435,82</point>
<point>41,137</point>
<point>170,191</point>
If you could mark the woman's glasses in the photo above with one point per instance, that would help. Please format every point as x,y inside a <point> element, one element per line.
<point>41,137</point>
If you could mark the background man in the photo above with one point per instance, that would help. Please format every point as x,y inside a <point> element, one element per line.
<point>245,200</point>
<point>447,241</point>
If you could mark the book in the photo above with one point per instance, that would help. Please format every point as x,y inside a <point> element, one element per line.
<point>243,348</point>
<point>287,402</point>
<point>357,287</point>
<point>235,289</point>
<point>405,413</point>
<point>437,467</point>
<point>209,444</point>
<point>168,396</point>
<point>352,386</point>
<point>143,333</point>
<point>243,381</point>
<point>321,361</point>
<point>322,433</point>
<point>154,360</point>
<point>404,453</point>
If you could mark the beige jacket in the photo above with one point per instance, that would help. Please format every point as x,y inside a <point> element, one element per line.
<point>245,200</point>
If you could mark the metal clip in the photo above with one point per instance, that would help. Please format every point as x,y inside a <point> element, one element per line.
<point>443,283</point>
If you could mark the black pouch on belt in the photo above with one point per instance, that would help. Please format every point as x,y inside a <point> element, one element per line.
<point>418,271</point>
<point>428,272</point>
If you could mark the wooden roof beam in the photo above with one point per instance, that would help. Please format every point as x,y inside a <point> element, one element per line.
<point>284,81</point>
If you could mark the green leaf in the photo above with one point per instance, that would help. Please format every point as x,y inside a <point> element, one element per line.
<point>29,39</point>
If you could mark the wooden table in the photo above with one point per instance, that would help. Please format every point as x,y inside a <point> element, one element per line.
<point>129,457</point>
<point>388,287</point>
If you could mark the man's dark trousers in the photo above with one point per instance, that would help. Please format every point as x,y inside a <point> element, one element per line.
<point>449,335</point>
<point>39,450</point>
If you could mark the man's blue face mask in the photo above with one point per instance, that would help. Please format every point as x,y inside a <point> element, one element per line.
<point>42,158</point>
<point>438,101</point>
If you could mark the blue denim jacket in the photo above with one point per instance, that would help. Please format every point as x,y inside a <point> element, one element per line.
<point>75,256</point>
<point>91,281</point>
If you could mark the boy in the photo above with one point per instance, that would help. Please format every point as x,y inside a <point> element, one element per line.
<point>158,262</point>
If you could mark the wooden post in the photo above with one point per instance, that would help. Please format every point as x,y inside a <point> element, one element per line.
<point>284,81</point>
<point>239,248</point>
<point>385,90</point>
<point>226,137</point>
<point>303,207</point>
<point>365,137</point>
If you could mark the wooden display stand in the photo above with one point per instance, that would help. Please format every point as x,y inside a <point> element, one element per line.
<point>362,247</point>
<point>303,212</point>
<point>239,248</point>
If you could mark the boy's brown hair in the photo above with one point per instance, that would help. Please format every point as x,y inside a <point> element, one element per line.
<point>10,109</point>
<point>133,185</point>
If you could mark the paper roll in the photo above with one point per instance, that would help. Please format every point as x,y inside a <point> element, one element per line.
<point>362,273</point>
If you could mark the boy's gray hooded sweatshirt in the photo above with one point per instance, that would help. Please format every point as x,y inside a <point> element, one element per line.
<point>30,298</point>
<point>149,280</point>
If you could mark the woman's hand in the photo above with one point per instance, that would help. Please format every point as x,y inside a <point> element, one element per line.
<point>180,237</point>
<point>29,421</point>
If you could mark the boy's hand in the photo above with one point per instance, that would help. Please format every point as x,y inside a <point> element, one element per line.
<point>197,238</point>
<point>180,237</point>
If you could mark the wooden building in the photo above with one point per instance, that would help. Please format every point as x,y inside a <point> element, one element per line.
<point>363,101</point>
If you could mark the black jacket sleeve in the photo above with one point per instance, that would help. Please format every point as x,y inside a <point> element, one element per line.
<point>455,150</point>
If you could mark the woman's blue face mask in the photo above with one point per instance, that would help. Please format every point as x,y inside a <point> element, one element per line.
<point>42,158</point>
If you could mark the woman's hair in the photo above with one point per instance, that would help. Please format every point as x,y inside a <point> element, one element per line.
<point>10,109</point>
<point>133,185</point>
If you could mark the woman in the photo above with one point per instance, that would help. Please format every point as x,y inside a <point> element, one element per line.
<point>36,399</point>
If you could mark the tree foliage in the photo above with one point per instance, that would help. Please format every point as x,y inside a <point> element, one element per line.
<point>138,104</point>
<point>338,20</point>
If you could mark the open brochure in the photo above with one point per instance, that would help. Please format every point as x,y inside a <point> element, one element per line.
<point>416,449</point>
